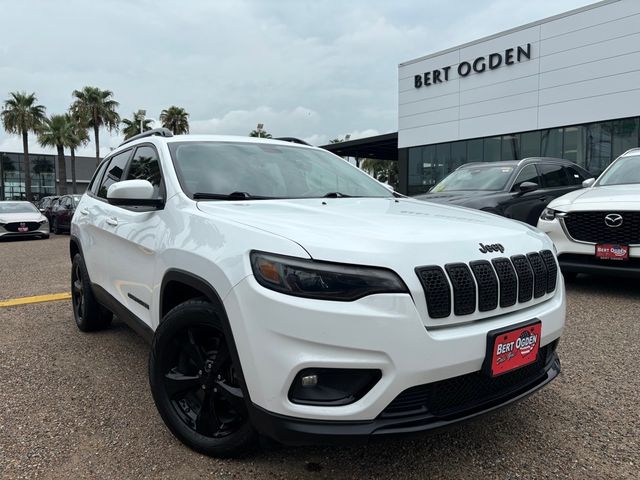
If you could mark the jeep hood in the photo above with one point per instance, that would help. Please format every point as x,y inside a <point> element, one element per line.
<point>382,230</point>
<point>614,197</point>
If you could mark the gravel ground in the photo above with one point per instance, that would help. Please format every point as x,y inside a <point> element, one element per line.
<point>78,405</point>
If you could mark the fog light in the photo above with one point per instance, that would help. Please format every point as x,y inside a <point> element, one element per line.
<point>309,380</point>
<point>332,386</point>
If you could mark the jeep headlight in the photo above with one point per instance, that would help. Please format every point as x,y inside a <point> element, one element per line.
<point>548,214</point>
<point>322,280</point>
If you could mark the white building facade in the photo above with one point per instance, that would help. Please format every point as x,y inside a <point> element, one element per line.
<point>566,86</point>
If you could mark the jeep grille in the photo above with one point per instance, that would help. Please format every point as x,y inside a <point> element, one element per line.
<point>484,285</point>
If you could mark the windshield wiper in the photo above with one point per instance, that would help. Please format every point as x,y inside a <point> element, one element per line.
<point>336,195</point>
<point>230,196</point>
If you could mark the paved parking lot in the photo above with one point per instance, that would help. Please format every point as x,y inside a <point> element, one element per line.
<point>78,405</point>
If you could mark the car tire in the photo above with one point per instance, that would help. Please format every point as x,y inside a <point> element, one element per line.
<point>56,228</point>
<point>45,237</point>
<point>88,313</point>
<point>195,383</point>
<point>570,276</point>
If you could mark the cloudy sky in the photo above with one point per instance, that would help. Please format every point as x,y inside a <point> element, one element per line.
<point>314,70</point>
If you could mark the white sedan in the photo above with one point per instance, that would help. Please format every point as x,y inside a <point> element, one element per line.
<point>22,219</point>
<point>597,229</point>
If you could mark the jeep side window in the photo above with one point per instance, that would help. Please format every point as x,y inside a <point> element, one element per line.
<point>114,172</point>
<point>145,166</point>
<point>527,174</point>
<point>95,181</point>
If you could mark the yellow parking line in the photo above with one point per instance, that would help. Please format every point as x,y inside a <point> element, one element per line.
<point>12,302</point>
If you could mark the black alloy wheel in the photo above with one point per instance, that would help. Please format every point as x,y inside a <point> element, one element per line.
<point>195,383</point>
<point>88,313</point>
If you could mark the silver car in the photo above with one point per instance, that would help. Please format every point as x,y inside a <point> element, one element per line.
<point>22,219</point>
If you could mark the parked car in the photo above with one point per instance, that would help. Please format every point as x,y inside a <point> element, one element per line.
<point>22,219</point>
<point>63,212</point>
<point>288,293</point>
<point>514,189</point>
<point>597,229</point>
<point>46,205</point>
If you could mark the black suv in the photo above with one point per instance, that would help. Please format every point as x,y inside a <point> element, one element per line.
<point>514,189</point>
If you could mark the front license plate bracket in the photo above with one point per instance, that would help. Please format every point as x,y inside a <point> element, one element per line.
<point>512,347</point>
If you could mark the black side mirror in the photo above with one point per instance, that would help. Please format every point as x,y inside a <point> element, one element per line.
<point>526,187</point>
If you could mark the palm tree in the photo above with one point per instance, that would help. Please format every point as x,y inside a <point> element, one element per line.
<point>385,171</point>
<point>99,109</point>
<point>175,119</point>
<point>132,126</point>
<point>260,134</point>
<point>20,116</point>
<point>57,132</point>
<point>80,136</point>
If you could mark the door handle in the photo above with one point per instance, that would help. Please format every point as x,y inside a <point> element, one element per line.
<point>112,221</point>
<point>84,211</point>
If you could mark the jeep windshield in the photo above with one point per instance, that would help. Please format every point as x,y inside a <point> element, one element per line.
<point>487,178</point>
<point>242,171</point>
<point>624,171</point>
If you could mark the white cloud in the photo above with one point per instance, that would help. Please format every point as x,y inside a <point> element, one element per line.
<point>314,70</point>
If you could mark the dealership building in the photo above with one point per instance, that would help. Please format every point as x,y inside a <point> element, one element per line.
<point>44,174</point>
<point>567,86</point>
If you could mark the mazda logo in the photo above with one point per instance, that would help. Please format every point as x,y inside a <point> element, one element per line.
<point>613,220</point>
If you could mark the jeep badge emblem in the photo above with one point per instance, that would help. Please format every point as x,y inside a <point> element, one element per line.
<point>495,247</point>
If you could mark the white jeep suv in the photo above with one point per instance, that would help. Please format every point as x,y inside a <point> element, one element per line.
<point>597,229</point>
<point>288,293</point>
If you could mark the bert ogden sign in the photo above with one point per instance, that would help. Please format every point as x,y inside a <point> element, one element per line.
<point>492,61</point>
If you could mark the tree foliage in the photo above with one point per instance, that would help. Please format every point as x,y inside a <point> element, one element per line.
<point>21,115</point>
<point>132,126</point>
<point>260,134</point>
<point>175,119</point>
<point>58,131</point>
<point>385,171</point>
<point>96,108</point>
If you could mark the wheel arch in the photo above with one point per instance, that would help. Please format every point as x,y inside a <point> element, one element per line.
<point>74,247</point>
<point>178,286</point>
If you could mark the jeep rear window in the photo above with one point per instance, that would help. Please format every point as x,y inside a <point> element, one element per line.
<point>268,171</point>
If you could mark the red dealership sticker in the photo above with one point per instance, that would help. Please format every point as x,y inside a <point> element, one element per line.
<point>608,251</point>
<point>513,349</point>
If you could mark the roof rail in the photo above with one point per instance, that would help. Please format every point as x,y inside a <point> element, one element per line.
<point>293,140</point>
<point>162,132</point>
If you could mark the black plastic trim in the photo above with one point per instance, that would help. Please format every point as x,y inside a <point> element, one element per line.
<point>137,300</point>
<point>161,132</point>
<point>108,301</point>
<point>572,263</point>
<point>198,283</point>
<point>297,431</point>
